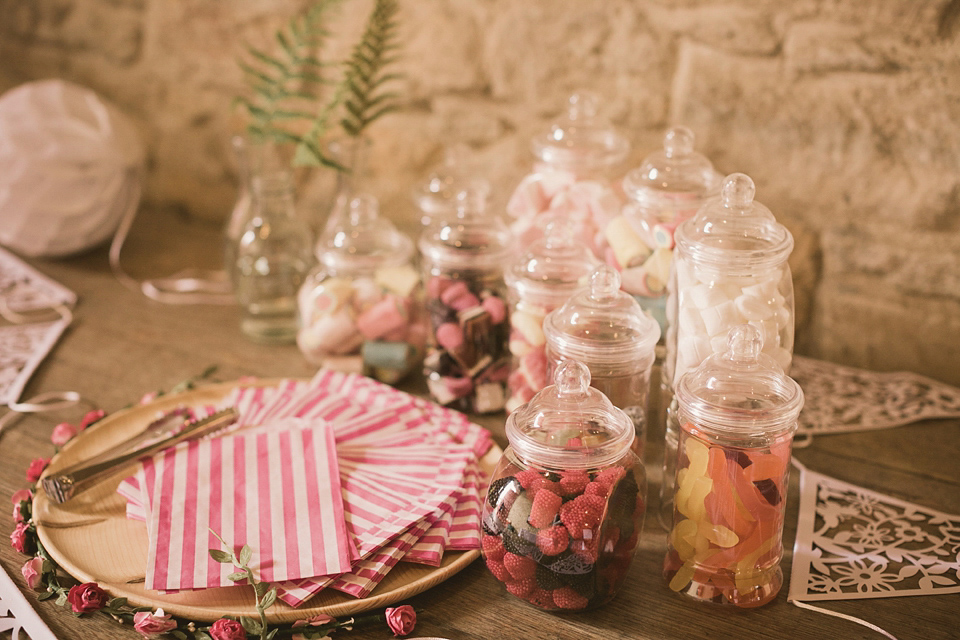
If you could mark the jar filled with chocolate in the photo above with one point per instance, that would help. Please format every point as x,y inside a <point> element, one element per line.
<point>738,414</point>
<point>565,506</point>
<point>667,188</point>
<point>605,329</point>
<point>542,279</point>
<point>361,307</point>
<point>467,361</point>
<point>578,158</point>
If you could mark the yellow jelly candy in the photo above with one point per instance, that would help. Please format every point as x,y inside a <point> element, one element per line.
<point>682,538</point>
<point>698,454</point>
<point>695,507</point>
<point>719,535</point>
<point>682,577</point>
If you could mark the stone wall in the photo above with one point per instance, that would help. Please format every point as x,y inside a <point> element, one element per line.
<point>845,112</point>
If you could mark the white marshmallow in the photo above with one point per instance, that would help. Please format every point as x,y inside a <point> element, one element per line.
<point>718,344</point>
<point>704,296</point>
<point>782,356</point>
<point>763,290</point>
<point>720,318</point>
<point>769,332</point>
<point>690,322</point>
<point>754,308</point>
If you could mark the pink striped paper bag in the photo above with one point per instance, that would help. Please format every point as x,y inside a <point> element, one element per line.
<point>276,489</point>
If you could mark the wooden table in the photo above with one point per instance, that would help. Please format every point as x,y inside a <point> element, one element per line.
<point>122,345</point>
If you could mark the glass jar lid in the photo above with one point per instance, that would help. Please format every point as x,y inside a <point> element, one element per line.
<point>437,195</point>
<point>472,238</point>
<point>361,239</point>
<point>553,267</point>
<point>734,230</point>
<point>582,139</point>
<point>602,325</point>
<point>674,172</point>
<point>741,392</point>
<point>569,424</point>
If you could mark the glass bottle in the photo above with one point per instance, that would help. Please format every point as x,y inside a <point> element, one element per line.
<point>730,268</point>
<point>542,279</point>
<point>605,329</point>
<point>565,506</point>
<point>364,299</point>
<point>467,361</point>
<point>576,161</point>
<point>666,189</point>
<point>436,197</point>
<point>273,256</point>
<point>738,414</point>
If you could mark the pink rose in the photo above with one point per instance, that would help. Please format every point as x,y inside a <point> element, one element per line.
<point>32,571</point>
<point>148,397</point>
<point>224,629</point>
<point>19,539</point>
<point>36,468</point>
<point>17,498</point>
<point>401,620</point>
<point>62,433</point>
<point>150,624</point>
<point>86,597</point>
<point>91,417</point>
<point>316,621</point>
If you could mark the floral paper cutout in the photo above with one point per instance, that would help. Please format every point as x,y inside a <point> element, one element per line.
<point>841,399</point>
<point>22,348</point>
<point>854,543</point>
<point>16,614</point>
<point>25,289</point>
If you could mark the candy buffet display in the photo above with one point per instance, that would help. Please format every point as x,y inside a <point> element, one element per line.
<point>464,256</point>
<point>565,506</point>
<point>738,414</point>
<point>543,278</point>
<point>606,330</point>
<point>576,160</point>
<point>666,189</point>
<point>364,299</point>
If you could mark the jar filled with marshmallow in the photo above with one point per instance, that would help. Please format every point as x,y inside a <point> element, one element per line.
<point>605,329</point>
<point>668,188</point>
<point>565,505</point>
<point>467,362</point>
<point>730,269</point>
<point>577,160</point>
<point>738,414</point>
<point>361,307</point>
<point>542,279</point>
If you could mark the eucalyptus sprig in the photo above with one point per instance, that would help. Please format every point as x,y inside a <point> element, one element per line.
<point>264,597</point>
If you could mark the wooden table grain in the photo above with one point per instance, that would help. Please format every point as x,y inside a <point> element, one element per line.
<point>122,345</point>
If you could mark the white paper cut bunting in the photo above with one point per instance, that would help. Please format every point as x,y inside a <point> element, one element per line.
<point>16,614</point>
<point>22,348</point>
<point>25,289</point>
<point>843,399</point>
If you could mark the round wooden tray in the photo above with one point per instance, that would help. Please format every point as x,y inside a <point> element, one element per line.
<point>91,538</point>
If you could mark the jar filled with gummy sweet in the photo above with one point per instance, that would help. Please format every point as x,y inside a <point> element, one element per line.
<point>738,414</point>
<point>361,307</point>
<point>464,256</point>
<point>565,506</point>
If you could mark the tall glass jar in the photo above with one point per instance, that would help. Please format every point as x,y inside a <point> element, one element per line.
<point>606,330</point>
<point>738,414</point>
<point>273,256</point>
<point>565,506</point>
<point>577,158</point>
<point>467,361</point>
<point>666,189</point>
<point>731,268</point>
<point>542,279</point>
<point>361,307</point>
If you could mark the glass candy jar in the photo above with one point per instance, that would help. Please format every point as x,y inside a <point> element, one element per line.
<point>436,197</point>
<point>543,278</point>
<point>738,414</point>
<point>666,189</point>
<point>467,362</point>
<point>565,507</point>
<point>361,307</point>
<point>606,330</point>
<point>576,160</point>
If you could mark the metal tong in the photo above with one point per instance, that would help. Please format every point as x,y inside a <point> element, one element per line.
<point>66,484</point>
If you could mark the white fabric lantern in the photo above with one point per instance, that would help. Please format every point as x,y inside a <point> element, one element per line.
<point>70,168</point>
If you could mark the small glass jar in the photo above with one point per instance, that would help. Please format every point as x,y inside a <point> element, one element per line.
<point>738,414</point>
<point>272,258</point>
<point>361,307</point>
<point>665,190</point>
<point>565,506</point>
<point>467,361</point>
<point>606,330</point>
<point>543,278</point>
<point>577,159</point>
<point>436,197</point>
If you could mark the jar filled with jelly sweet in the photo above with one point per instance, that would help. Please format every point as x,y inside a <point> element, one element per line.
<point>738,413</point>
<point>361,307</point>
<point>464,255</point>
<point>565,506</point>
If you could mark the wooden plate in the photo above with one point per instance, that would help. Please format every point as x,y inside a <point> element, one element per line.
<point>92,539</point>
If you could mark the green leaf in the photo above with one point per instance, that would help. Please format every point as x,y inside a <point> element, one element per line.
<point>273,632</point>
<point>237,576</point>
<point>202,635</point>
<point>46,595</point>
<point>62,599</point>
<point>117,603</point>
<point>221,556</point>
<point>251,626</point>
<point>268,599</point>
<point>246,553</point>
<point>180,635</point>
